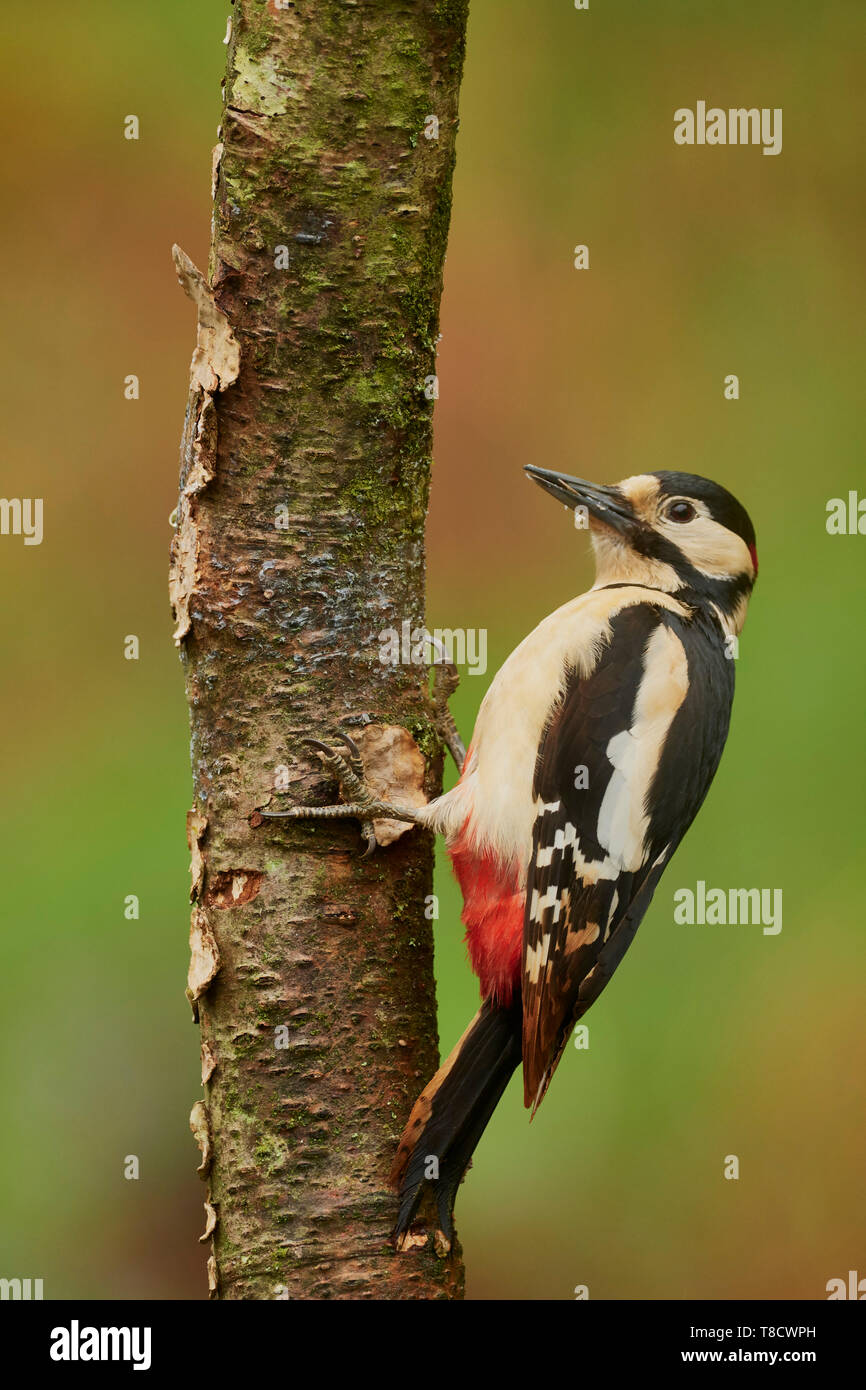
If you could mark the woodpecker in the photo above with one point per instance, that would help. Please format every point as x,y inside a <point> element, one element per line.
<point>593,750</point>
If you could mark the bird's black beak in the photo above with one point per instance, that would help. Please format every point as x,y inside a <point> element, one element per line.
<point>605,504</point>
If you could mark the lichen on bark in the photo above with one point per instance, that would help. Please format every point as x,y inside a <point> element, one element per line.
<point>300,536</point>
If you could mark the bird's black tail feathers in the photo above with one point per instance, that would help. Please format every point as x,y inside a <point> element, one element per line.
<point>450,1116</point>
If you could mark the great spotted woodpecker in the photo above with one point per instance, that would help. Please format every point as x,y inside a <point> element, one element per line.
<point>594,748</point>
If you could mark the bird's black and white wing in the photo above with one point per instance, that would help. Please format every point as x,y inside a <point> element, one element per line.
<point>622,768</point>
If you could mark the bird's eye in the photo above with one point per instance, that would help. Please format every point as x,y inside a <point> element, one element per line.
<point>680,511</point>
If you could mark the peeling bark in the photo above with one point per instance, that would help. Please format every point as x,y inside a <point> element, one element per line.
<point>305,466</point>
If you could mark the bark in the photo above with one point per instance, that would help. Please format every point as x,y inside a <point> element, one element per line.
<point>305,467</point>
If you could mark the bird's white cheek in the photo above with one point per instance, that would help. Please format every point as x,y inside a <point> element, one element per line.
<point>711,549</point>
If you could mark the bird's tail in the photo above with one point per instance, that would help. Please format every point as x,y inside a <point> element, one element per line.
<point>449,1118</point>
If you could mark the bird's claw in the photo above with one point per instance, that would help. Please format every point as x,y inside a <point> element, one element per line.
<point>445,674</point>
<point>348,772</point>
<point>445,681</point>
<point>356,764</point>
<point>354,759</point>
<point>368,835</point>
<point>358,800</point>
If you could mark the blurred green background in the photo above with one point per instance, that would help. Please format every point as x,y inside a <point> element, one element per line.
<point>703,262</point>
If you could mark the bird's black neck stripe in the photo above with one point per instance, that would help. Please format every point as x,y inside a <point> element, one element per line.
<point>721,593</point>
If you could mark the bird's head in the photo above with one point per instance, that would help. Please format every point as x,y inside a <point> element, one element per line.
<point>671,531</point>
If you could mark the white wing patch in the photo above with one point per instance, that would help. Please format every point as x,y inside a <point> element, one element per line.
<point>623,821</point>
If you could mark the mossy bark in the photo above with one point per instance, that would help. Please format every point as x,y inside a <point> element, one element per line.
<point>300,537</point>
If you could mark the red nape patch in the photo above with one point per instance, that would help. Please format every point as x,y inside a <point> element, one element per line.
<point>492,915</point>
<point>754,554</point>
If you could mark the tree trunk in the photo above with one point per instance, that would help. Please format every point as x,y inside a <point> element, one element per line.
<point>305,468</point>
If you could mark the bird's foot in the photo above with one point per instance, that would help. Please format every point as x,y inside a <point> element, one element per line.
<point>445,682</point>
<point>359,801</point>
